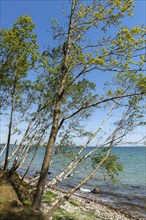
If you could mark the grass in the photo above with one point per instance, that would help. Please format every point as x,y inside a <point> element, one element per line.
<point>72,202</point>
<point>12,209</point>
<point>90,215</point>
<point>23,192</point>
<point>23,214</point>
<point>7,194</point>
<point>62,214</point>
<point>10,206</point>
<point>49,197</point>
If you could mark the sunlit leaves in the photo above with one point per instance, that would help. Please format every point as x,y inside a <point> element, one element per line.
<point>19,48</point>
<point>99,61</point>
<point>111,166</point>
<point>19,54</point>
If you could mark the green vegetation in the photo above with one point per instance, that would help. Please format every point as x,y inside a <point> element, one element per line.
<point>111,166</point>
<point>30,191</point>
<point>56,104</point>
<point>17,214</point>
<point>49,197</point>
<point>19,53</point>
<point>27,202</point>
<point>72,202</point>
<point>22,189</point>
<point>10,206</point>
<point>60,213</point>
<point>91,215</point>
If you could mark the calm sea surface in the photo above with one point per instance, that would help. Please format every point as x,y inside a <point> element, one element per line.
<point>128,194</point>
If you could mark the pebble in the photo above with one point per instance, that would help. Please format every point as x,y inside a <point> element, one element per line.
<point>102,211</point>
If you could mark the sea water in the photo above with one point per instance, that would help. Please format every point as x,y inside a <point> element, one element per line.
<point>128,194</point>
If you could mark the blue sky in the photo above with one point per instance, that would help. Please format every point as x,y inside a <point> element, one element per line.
<point>43,11</point>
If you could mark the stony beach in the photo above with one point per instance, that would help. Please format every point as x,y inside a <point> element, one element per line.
<point>78,207</point>
<point>85,209</point>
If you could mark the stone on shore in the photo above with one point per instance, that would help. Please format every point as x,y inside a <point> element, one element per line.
<point>96,191</point>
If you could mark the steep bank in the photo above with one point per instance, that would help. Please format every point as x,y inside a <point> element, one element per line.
<point>11,208</point>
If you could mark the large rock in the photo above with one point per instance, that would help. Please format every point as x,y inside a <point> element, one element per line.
<point>96,191</point>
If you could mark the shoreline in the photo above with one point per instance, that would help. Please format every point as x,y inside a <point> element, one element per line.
<point>95,198</point>
<point>87,205</point>
<point>121,203</point>
<point>77,207</point>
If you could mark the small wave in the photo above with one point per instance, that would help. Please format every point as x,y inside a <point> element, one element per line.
<point>85,190</point>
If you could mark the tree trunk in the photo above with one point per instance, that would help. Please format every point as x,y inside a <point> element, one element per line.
<point>47,158</point>
<point>10,129</point>
<point>55,126</point>
<point>49,214</point>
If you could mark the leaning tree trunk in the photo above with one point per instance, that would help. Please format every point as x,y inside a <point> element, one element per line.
<point>56,116</point>
<point>47,159</point>
<point>60,202</point>
<point>49,149</point>
<point>10,130</point>
<point>50,213</point>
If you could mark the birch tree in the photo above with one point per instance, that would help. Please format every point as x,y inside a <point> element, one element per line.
<point>77,54</point>
<point>18,56</point>
<point>100,154</point>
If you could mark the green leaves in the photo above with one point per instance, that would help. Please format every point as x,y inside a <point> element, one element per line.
<point>141,84</point>
<point>19,47</point>
<point>49,197</point>
<point>111,166</point>
<point>19,51</point>
<point>19,55</point>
